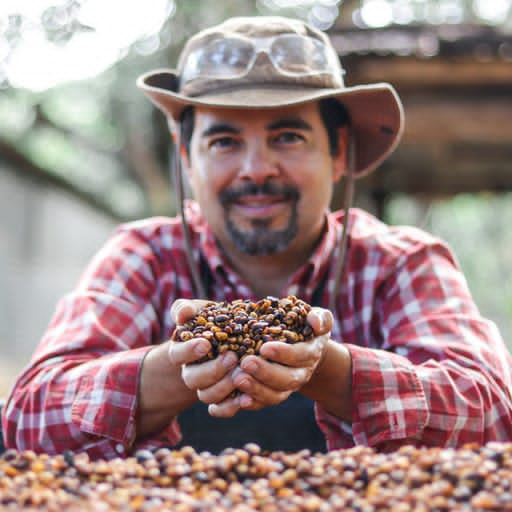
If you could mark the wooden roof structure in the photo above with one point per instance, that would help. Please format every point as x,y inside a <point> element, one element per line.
<point>456,86</point>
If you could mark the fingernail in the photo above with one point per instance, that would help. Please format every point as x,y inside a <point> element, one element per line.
<point>239,381</point>
<point>229,360</point>
<point>268,353</point>
<point>250,366</point>
<point>245,401</point>
<point>201,349</point>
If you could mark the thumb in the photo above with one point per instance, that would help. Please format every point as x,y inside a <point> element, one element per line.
<point>321,320</point>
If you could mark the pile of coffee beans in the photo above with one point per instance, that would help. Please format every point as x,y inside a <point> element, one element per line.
<point>472,478</point>
<point>242,326</point>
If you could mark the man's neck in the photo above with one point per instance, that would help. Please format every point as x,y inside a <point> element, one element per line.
<point>265,278</point>
<point>268,275</point>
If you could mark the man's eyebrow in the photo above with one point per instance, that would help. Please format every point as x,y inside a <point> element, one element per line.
<point>290,122</point>
<point>220,128</point>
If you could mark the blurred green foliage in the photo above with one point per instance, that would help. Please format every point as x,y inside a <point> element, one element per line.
<point>477,228</point>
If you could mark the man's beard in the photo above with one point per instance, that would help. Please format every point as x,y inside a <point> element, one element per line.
<point>261,240</point>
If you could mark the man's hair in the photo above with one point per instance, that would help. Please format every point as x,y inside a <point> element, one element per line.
<point>334,115</point>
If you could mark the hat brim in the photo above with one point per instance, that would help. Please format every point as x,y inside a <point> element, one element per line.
<point>375,110</point>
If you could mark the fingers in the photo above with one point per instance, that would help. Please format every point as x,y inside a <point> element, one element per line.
<point>204,375</point>
<point>260,381</point>
<point>184,309</point>
<point>231,405</point>
<point>263,387</point>
<point>282,368</point>
<point>321,320</point>
<point>302,354</point>
<point>253,389</point>
<point>189,352</point>
<point>267,382</point>
<point>217,392</point>
<point>226,408</point>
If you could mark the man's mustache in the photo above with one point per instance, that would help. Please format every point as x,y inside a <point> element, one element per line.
<point>285,192</point>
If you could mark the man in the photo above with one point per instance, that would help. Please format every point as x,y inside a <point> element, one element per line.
<point>264,127</point>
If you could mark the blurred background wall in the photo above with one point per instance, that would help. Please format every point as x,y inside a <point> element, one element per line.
<point>82,150</point>
<point>46,238</point>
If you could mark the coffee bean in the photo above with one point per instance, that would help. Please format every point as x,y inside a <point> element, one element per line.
<point>245,323</point>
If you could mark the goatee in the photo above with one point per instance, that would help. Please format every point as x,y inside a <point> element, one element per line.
<point>261,240</point>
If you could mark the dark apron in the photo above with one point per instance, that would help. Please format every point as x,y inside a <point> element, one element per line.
<point>288,426</point>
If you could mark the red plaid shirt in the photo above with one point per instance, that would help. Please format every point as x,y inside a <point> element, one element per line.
<point>427,368</point>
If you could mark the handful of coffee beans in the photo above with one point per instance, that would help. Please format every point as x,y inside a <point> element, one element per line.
<point>242,326</point>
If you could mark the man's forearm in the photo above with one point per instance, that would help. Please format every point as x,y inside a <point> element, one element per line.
<point>331,384</point>
<point>162,394</point>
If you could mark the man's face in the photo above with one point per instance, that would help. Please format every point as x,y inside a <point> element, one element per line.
<point>263,178</point>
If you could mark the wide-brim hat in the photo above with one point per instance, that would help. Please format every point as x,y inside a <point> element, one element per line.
<point>375,110</point>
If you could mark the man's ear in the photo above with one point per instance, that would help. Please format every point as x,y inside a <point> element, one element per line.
<point>340,159</point>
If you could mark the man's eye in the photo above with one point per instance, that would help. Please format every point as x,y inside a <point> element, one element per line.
<point>289,137</point>
<point>223,143</point>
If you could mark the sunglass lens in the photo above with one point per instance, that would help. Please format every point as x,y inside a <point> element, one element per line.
<point>299,55</point>
<point>225,58</point>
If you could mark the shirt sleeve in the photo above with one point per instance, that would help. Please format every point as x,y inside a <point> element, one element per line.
<point>79,391</point>
<point>437,373</point>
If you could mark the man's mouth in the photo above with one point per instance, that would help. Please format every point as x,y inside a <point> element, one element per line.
<point>259,201</point>
<point>260,206</point>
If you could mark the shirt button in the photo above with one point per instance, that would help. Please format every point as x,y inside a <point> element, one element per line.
<point>119,448</point>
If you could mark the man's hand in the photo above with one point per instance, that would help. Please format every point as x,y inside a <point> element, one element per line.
<point>280,369</point>
<point>319,369</point>
<point>170,382</point>
<point>211,380</point>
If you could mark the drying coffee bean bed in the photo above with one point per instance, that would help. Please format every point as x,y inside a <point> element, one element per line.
<point>242,326</point>
<point>247,479</point>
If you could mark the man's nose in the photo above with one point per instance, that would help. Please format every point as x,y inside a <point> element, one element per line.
<point>259,163</point>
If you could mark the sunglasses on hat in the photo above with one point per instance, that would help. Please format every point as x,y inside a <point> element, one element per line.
<point>234,57</point>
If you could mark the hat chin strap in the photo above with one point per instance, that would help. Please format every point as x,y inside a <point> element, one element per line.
<point>339,270</point>
<point>199,291</point>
